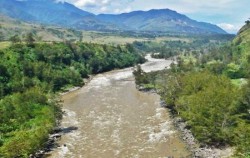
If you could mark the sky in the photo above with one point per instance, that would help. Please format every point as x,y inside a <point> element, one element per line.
<point>228,14</point>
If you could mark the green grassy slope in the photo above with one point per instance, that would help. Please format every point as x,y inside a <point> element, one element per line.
<point>10,27</point>
<point>242,43</point>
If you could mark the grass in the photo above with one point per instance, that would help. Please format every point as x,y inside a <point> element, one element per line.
<point>10,27</point>
<point>183,39</point>
<point>4,45</point>
<point>239,82</point>
<point>113,39</point>
<point>149,86</point>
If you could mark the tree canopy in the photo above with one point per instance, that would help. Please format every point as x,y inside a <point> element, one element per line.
<point>30,76</point>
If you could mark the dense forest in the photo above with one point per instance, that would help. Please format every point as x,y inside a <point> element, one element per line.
<point>210,92</point>
<point>31,74</point>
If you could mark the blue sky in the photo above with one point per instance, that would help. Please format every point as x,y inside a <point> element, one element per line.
<point>228,14</point>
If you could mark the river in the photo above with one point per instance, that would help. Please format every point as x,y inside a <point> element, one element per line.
<point>110,118</point>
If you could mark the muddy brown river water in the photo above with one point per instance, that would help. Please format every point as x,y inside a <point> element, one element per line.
<point>110,118</point>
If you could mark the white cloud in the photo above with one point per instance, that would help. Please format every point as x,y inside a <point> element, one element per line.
<point>124,10</point>
<point>183,6</point>
<point>102,6</point>
<point>103,9</point>
<point>86,3</point>
<point>105,1</point>
<point>229,27</point>
<point>83,3</point>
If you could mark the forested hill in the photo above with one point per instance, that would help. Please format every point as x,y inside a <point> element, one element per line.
<point>30,74</point>
<point>242,43</point>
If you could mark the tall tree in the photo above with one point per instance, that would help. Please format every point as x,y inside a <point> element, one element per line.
<point>29,39</point>
<point>248,21</point>
<point>1,36</point>
<point>15,39</point>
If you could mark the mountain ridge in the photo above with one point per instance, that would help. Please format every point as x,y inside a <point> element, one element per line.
<point>67,15</point>
<point>170,19</point>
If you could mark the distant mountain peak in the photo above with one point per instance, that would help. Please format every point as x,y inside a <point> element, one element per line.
<point>162,10</point>
<point>160,20</point>
<point>58,12</point>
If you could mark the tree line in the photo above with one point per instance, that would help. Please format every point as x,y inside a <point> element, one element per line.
<point>30,76</point>
<point>201,89</point>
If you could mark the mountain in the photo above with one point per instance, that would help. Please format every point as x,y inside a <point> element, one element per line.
<point>43,11</point>
<point>164,20</point>
<point>67,15</point>
<point>51,12</point>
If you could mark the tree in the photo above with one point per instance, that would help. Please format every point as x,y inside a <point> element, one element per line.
<point>1,36</point>
<point>80,38</point>
<point>140,76</point>
<point>15,39</point>
<point>209,105</point>
<point>248,21</point>
<point>29,39</point>
<point>233,71</point>
<point>29,76</point>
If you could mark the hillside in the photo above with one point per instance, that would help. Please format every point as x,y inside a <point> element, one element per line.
<point>67,15</point>
<point>41,11</point>
<point>51,12</point>
<point>10,27</point>
<point>242,43</point>
<point>162,20</point>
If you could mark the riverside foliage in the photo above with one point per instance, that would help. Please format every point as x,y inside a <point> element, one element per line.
<point>31,73</point>
<point>204,93</point>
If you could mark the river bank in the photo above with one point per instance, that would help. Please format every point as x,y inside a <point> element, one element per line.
<point>197,150</point>
<point>52,142</point>
<point>112,118</point>
<point>162,126</point>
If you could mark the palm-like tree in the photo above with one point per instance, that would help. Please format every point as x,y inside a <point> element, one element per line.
<point>248,21</point>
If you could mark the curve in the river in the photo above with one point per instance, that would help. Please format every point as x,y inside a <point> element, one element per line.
<point>110,118</point>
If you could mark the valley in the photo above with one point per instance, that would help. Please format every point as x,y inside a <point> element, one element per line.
<point>98,79</point>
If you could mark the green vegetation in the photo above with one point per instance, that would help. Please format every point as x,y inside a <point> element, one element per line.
<point>210,91</point>
<point>10,27</point>
<point>181,46</point>
<point>31,73</point>
<point>4,45</point>
<point>241,47</point>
